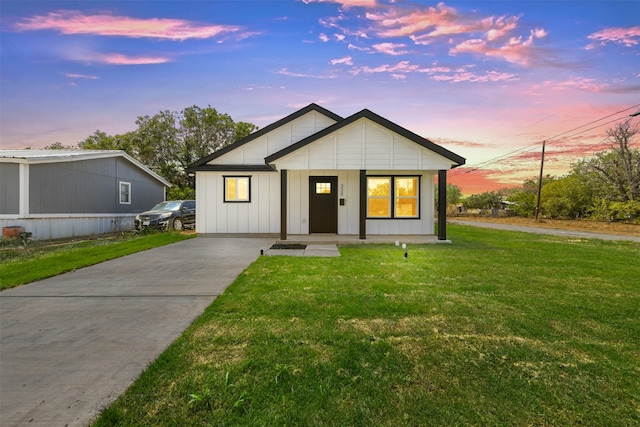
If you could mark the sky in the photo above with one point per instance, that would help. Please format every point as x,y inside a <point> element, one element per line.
<point>488,80</point>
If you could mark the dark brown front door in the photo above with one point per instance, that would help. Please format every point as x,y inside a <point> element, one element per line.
<point>323,204</point>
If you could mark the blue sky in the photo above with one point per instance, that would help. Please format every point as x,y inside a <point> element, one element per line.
<point>484,79</point>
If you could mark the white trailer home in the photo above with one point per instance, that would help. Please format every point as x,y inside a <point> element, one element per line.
<point>316,172</point>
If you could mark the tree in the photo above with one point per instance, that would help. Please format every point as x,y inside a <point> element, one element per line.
<point>59,146</point>
<point>169,141</point>
<point>523,198</point>
<point>615,174</point>
<point>454,194</point>
<point>101,141</point>
<point>486,200</point>
<point>567,197</point>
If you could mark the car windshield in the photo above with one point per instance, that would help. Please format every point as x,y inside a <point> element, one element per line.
<point>167,206</point>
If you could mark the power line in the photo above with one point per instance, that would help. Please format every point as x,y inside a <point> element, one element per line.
<point>533,146</point>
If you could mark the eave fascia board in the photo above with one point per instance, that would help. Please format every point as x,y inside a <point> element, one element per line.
<point>231,168</point>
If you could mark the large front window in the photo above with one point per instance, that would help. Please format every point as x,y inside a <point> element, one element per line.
<point>393,197</point>
<point>237,189</point>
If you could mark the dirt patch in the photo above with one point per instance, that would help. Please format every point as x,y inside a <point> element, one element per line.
<point>619,228</point>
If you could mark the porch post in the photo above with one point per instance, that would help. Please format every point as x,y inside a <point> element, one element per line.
<point>442,205</point>
<point>363,204</point>
<point>283,204</point>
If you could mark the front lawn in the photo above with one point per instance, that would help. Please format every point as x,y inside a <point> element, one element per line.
<point>499,328</point>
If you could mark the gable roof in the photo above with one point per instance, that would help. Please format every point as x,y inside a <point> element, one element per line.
<point>202,163</point>
<point>58,156</point>
<point>455,159</point>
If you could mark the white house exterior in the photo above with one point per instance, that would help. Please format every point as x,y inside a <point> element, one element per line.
<point>65,193</point>
<point>315,172</point>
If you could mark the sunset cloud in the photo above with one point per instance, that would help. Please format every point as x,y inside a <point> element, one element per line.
<point>399,68</point>
<point>346,60</point>
<point>74,22</point>
<point>390,48</point>
<point>119,59</point>
<point>626,36</point>
<point>400,23</point>
<point>346,3</point>
<point>285,72</point>
<point>467,76</point>
<point>494,36</point>
<point>516,50</point>
<point>80,76</point>
<point>580,83</point>
<point>437,73</point>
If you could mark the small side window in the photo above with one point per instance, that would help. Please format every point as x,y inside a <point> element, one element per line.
<point>125,193</point>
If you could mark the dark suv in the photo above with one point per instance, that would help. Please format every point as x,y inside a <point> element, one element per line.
<point>172,214</point>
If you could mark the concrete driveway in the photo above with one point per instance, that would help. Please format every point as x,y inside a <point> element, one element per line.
<point>71,344</point>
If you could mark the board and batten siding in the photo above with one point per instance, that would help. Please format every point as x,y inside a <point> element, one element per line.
<point>255,151</point>
<point>262,214</point>
<point>363,145</point>
<point>349,213</point>
<point>259,216</point>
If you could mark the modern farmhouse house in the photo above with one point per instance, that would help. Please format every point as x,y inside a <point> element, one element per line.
<point>316,172</point>
<point>61,193</point>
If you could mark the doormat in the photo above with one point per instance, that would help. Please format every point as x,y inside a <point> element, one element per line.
<point>288,246</point>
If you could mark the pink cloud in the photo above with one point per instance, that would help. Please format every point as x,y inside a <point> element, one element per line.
<point>74,22</point>
<point>285,72</point>
<point>80,76</point>
<point>580,83</point>
<point>396,23</point>
<point>515,50</point>
<point>119,59</point>
<point>626,36</point>
<point>425,24</point>
<point>346,60</point>
<point>402,67</point>
<point>437,73</point>
<point>491,36</point>
<point>346,3</point>
<point>489,76</point>
<point>390,48</point>
<point>501,27</point>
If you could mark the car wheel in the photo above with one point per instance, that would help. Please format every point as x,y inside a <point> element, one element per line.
<point>177,224</point>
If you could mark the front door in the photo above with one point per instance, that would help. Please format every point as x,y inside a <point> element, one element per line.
<point>323,204</point>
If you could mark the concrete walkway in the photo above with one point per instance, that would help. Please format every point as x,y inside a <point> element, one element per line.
<point>544,230</point>
<point>71,344</point>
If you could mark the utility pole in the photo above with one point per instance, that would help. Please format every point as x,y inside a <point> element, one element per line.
<point>540,179</point>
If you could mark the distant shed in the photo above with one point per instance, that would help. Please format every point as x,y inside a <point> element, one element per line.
<point>63,193</point>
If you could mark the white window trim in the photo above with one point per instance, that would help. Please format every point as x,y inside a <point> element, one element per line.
<point>120,184</point>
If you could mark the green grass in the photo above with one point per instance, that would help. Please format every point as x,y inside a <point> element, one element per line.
<point>21,265</point>
<point>499,328</point>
